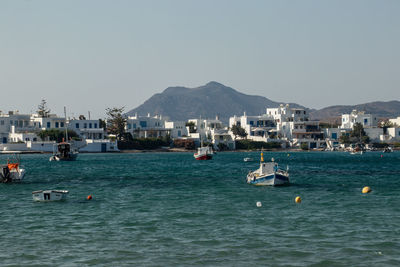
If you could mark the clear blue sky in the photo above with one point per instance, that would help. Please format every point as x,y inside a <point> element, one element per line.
<point>90,55</point>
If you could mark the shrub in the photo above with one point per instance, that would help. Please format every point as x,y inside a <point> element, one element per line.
<point>142,143</point>
<point>251,145</point>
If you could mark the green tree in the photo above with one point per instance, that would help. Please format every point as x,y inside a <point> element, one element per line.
<point>116,122</point>
<point>358,133</point>
<point>238,131</point>
<point>43,111</point>
<point>344,139</point>
<point>57,135</point>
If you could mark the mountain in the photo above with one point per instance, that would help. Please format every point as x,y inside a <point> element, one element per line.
<point>390,109</point>
<point>215,99</point>
<point>208,101</point>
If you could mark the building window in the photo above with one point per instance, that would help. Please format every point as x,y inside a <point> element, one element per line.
<point>77,125</point>
<point>365,121</point>
<point>143,124</point>
<point>48,124</point>
<point>134,126</point>
<point>61,124</point>
<point>56,124</point>
<point>129,126</point>
<point>2,122</point>
<point>95,125</point>
<point>90,125</point>
<point>85,125</point>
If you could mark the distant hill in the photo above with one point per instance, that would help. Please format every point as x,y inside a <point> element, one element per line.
<point>215,99</point>
<point>381,109</point>
<point>208,101</point>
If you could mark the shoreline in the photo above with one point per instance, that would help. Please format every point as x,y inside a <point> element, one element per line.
<point>178,150</point>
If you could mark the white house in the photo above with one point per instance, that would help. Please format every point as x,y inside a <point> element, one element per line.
<point>294,125</point>
<point>87,129</point>
<point>258,128</point>
<point>396,121</point>
<point>367,120</point>
<point>204,127</point>
<point>177,128</point>
<point>146,126</point>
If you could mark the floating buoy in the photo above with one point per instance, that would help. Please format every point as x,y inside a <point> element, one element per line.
<point>366,190</point>
<point>381,156</point>
<point>297,199</point>
<point>288,155</point>
<point>89,197</point>
<point>258,204</point>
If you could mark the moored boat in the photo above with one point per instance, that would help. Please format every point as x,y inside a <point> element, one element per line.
<point>203,153</point>
<point>11,172</point>
<point>268,173</point>
<point>63,152</point>
<point>49,195</point>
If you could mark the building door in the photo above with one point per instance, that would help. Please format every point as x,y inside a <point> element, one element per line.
<point>103,147</point>
<point>4,140</point>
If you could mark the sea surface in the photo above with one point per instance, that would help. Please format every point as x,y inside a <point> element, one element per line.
<point>167,209</point>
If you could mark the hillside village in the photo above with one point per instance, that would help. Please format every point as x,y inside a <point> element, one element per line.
<point>284,126</point>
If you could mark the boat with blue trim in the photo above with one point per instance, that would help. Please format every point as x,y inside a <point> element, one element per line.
<point>269,173</point>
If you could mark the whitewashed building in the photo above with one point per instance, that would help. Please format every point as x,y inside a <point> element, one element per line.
<point>366,120</point>
<point>177,128</point>
<point>146,126</point>
<point>204,127</point>
<point>294,125</point>
<point>396,121</point>
<point>87,129</point>
<point>258,128</point>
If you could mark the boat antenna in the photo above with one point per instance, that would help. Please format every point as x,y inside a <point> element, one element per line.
<point>66,131</point>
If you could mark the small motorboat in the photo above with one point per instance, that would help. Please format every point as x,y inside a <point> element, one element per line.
<point>387,149</point>
<point>268,174</point>
<point>49,195</point>
<point>63,152</point>
<point>248,159</point>
<point>203,153</point>
<point>11,172</point>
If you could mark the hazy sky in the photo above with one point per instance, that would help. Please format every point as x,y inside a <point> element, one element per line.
<point>90,55</point>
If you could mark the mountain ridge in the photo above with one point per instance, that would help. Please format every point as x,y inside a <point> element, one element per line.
<point>213,99</point>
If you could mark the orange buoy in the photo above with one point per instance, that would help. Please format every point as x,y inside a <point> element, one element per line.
<point>89,197</point>
<point>366,190</point>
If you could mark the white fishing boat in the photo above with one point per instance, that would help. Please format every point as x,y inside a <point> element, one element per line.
<point>49,195</point>
<point>269,173</point>
<point>248,159</point>
<point>63,151</point>
<point>387,149</point>
<point>203,153</point>
<point>11,172</point>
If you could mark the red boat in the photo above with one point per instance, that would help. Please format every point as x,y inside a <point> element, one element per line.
<point>203,153</point>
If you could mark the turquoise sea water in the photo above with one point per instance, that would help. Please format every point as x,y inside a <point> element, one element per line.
<point>166,209</point>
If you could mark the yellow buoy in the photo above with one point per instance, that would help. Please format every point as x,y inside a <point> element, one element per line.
<point>297,199</point>
<point>366,190</point>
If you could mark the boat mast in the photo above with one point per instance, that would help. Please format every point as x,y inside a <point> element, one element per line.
<point>66,131</point>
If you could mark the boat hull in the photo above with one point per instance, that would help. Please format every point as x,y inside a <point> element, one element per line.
<point>49,195</point>
<point>268,179</point>
<point>203,157</point>
<point>14,175</point>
